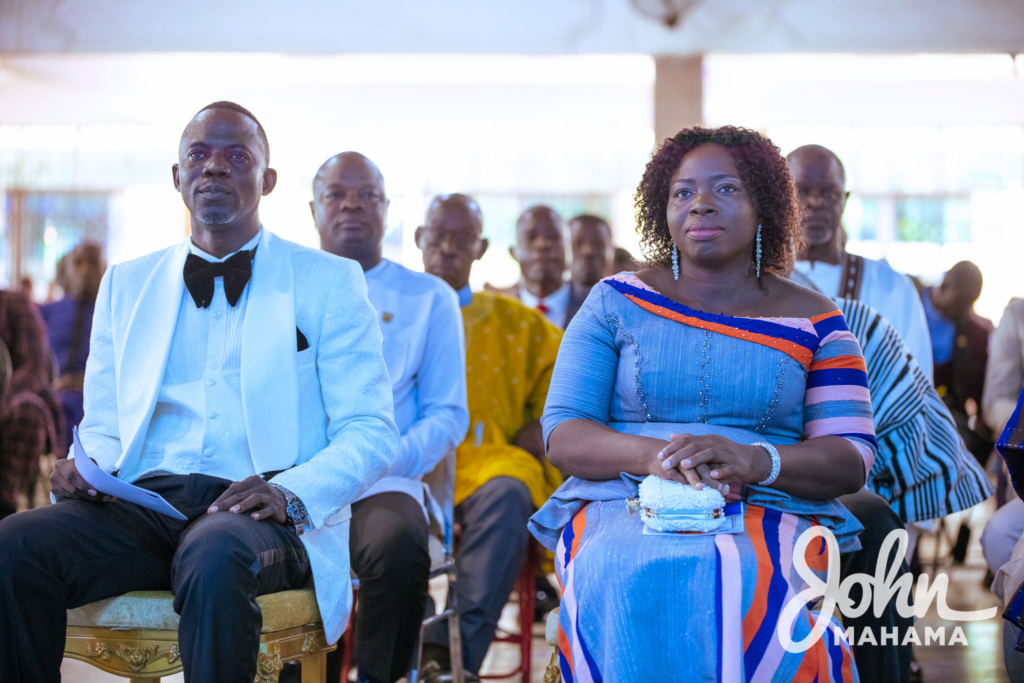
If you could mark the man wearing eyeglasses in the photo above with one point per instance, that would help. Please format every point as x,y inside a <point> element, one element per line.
<point>825,265</point>
<point>501,474</point>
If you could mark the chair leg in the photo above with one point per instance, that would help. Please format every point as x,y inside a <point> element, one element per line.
<point>455,630</point>
<point>417,659</point>
<point>314,668</point>
<point>348,641</point>
<point>553,674</point>
<point>527,600</point>
<point>455,648</point>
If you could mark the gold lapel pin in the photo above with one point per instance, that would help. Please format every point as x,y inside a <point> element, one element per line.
<point>386,317</point>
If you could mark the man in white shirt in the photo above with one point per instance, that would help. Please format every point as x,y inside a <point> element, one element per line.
<point>540,252</point>
<point>425,353</point>
<point>239,376</point>
<point>825,265</point>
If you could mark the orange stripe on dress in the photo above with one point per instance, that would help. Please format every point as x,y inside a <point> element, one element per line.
<point>816,554</point>
<point>815,662</point>
<point>753,520</point>
<point>820,650</point>
<point>807,672</point>
<point>579,524</point>
<point>841,363</point>
<point>798,353</point>
<point>847,666</point>
<point>825,316</point>
<point>566,650</point>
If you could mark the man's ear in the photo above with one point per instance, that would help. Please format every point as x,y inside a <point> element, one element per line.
<point>417,236</point>
<point>512,252</point>
<point>481,248</point>
<point>269,181</point>
<point>312,211</point>
<point>174,174</point>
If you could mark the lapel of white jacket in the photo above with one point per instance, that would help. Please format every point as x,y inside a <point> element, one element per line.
<point>270,383</point>
<point>147,341</point>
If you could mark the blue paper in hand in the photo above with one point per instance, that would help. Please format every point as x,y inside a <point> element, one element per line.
<point>112,486</point>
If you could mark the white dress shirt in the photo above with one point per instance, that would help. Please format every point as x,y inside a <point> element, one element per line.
<point>1005,373</point>
<point>556,303</point>
<point>425,352</point>
<point>890,293</point>
<point>198,426</point>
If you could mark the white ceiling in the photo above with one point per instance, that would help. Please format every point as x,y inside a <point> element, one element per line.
<point>509,26</point>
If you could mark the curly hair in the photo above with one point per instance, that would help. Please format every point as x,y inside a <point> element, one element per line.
<point>762,169</point>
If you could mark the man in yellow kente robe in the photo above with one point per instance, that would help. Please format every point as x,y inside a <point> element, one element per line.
<point>501,475</point>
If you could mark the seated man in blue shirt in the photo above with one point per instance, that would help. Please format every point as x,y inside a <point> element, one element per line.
<point>424,350</point>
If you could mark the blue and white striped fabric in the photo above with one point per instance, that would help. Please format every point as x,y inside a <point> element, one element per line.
<point>922,466</point>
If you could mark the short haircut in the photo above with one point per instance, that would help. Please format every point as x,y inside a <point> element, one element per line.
<point>262,134</point>
<point>970,278</point>
<point>821,151</point>
<point>591,218</point>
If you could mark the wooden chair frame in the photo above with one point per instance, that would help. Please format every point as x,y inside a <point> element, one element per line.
<point>148,655</point>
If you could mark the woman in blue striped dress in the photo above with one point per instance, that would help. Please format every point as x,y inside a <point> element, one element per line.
<point>680,371</point>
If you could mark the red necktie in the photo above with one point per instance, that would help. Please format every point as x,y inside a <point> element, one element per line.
<point>542,308</point>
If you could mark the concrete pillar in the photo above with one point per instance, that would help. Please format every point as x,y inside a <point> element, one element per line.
<point>678,94</point>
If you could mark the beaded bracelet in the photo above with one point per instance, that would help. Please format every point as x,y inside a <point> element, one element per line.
<point>776,463</point>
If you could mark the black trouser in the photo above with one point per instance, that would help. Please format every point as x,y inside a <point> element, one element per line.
<point>388,545</point>
<point>876,663</point>
<point>76,552</point>
<point>491,550</point>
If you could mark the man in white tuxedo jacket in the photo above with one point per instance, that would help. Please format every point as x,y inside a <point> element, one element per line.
<point>241,377</point>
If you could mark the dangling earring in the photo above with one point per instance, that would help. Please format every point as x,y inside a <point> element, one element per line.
<point>759,251</point>
<point>675,261</point>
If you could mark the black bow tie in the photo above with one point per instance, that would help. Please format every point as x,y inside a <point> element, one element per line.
<point>200,273</point>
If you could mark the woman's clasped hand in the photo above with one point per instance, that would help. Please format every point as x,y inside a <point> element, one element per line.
<point>711,460</point>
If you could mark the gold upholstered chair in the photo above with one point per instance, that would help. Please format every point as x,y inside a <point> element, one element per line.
<point>136,636</point>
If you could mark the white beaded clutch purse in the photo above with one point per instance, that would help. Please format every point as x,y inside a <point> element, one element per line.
<point>667,505</point>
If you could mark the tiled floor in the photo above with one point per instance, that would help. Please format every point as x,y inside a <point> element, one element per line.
<point>980,661</point>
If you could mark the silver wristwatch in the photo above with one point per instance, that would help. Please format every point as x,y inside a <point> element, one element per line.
<point>295,510</point>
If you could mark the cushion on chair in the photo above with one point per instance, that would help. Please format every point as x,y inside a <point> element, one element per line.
<point>288,609</point>
<point>153,610</point>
